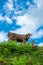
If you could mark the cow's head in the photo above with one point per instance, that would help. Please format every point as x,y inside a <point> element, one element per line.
<point>10,34</point>
<point>28,35</point>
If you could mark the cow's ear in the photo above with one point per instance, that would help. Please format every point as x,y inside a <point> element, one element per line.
<point>29,34</point>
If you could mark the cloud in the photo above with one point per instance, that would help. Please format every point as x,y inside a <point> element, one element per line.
<point>32,20</point>
<point>1,17</point>
<point>39,3</point>
<point>40,44</point>
<point>8,6</point>
<point>3,36</point>
<point>5,18</point>
<point>9,21</point>
<point>37,34</point>
<point>28,24</point>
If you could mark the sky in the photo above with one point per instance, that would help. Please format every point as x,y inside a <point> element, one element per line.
<point>22,17</point>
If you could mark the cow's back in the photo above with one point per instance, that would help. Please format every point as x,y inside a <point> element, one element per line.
<point>19,36</point>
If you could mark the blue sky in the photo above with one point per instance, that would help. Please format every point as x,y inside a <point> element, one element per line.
<point>22,16</point>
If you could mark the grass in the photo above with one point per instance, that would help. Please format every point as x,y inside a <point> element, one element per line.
<point>12,53</point>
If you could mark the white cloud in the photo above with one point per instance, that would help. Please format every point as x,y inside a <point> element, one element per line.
<point>5,18</point>
<point>28,3</point>
<point>1,17</point>
<point>39,3</point>
<point>3,36</point>
<point>38,34</point>
<point>32,20</point>
<point>9,5</point>
<point>9,21</point>
<point>28,24</point>
<point>40,44</point>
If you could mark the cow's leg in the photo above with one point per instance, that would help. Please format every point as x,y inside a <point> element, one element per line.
<point>9,39</point>
<point>24,41</point>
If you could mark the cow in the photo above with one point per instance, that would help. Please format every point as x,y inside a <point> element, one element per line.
<point>18,37</point>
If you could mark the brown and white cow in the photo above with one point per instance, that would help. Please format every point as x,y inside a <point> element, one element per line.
<point>19,37</point>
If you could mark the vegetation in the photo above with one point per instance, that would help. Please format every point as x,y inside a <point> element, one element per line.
<point>12,53</point>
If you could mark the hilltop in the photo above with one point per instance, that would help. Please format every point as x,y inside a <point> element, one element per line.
<point>12,53</point>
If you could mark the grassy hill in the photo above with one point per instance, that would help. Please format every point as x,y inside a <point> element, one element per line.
<point>12,53</point>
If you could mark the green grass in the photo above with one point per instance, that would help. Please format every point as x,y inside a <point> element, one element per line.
<point>12,53</point>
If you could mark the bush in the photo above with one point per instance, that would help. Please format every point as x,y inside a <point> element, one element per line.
<point>12,53</point>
